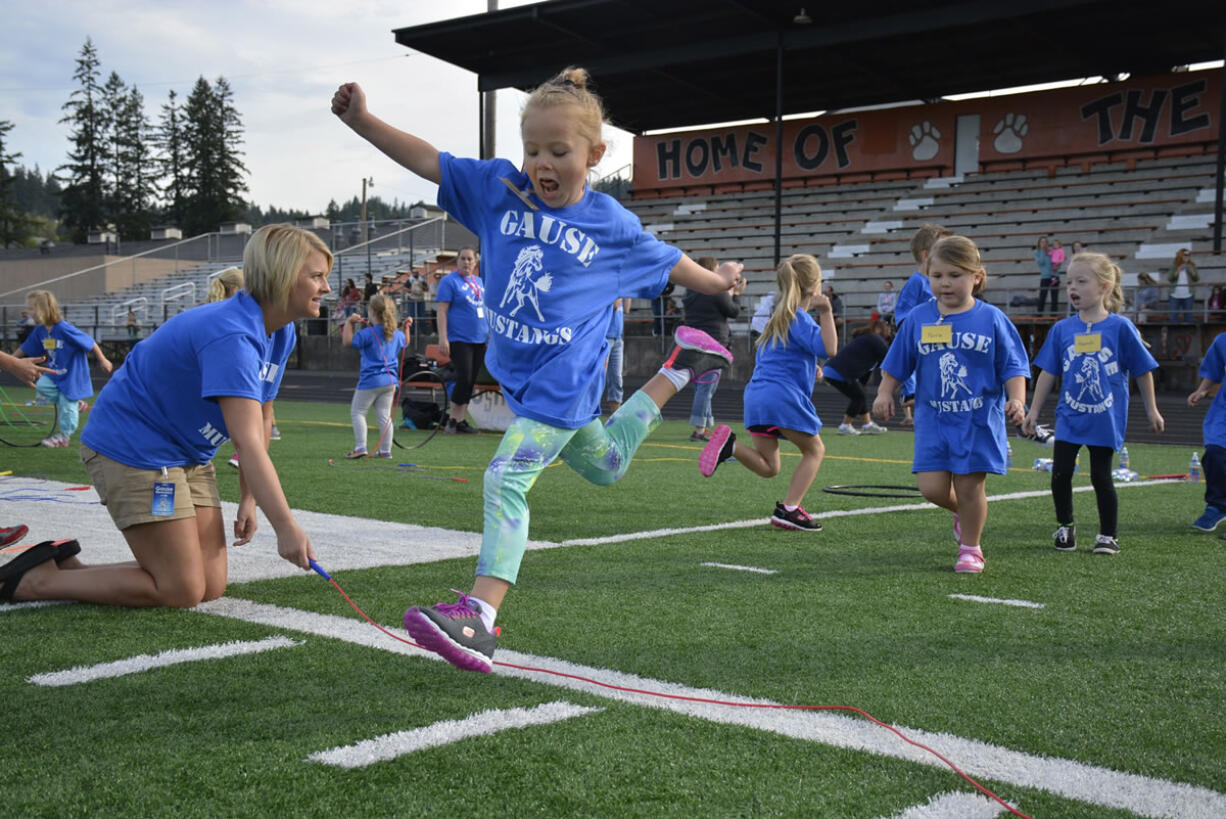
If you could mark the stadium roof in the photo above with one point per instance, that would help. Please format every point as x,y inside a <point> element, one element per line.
<point>677,63</point>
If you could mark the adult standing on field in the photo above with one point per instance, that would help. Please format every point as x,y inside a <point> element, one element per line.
<point>463,331</point>
<point>1049,282</point>
<point>710,314</point>
<point>207,375</point>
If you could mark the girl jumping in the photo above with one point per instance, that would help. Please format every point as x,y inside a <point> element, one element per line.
<point>379,346</point>
<point>556,256</point>
<point>778,398</point>
<point>65,348</point>
<point>1093,353</point>
<point>970,369</point>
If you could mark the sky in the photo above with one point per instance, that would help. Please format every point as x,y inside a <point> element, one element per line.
<point>283,59</point>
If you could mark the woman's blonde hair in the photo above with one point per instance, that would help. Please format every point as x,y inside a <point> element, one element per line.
<point>274,255</point>
<point>797,277</point>
<point>225,284</point>
<point>963,254</point>
<point>384,309</point>
<point>1109,277</point>
<point>570,87</point>
<point>46,308</point>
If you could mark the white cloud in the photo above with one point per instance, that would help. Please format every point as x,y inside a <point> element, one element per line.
<point>283,59</point>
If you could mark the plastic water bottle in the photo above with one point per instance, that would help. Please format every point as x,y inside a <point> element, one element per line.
<point>1124,462</point>
<point>1194,473</point>
<point>1008,455</point>
<point>1077,464</point>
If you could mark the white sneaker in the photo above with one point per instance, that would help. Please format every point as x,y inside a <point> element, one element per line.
<point>275,434</point>
<point>233,460</point>
<point>872,428</point>
<point>848,429</point>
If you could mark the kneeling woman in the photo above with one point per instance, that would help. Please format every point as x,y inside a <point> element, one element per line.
<point>206,376</point>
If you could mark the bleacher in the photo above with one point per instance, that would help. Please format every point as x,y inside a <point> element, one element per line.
<point>1138,213</point>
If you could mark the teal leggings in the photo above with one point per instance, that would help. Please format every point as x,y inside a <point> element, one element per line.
<point>70,415</point>
<point>600,453</point>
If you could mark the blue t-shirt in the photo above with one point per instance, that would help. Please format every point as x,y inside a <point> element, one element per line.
<point>466,308</point>
<point>780,392</point>
<point>160,408</point>
<point>550,275</point>
<point>380,357</point>
<point>915,292</point>
<point>1213,367</point>
<point>66,349</point>
<point>960,386</point>
<point>1093,406</point>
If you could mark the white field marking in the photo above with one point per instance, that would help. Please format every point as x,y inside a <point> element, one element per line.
<point>961,805</point>
<point>739,568</point>
<point>486,723</point>
<point>145,662</point>
<point>833,513</point>
<point>32,604</point>
<point>974,598</point>
<point>1070,779</point>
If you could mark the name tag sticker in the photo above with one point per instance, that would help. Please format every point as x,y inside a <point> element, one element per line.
<point>1088,343</point>
<point>480,313</point>
<point>50,343</point>
<point>937,334</point>
<point>163,499</point>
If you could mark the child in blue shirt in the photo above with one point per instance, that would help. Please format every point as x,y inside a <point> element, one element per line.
<point>779,397</point>
<point>463,331</point>
<point>970,368</point>
<point>1212,368</point>
<point>65,348</point>
<point>556,255</point>
<point>206,376</point>
<point>379,347</point>
<point>1093,353</point>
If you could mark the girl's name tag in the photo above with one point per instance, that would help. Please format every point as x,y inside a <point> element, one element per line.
<point>1087,343</point>
<point>937,334</point>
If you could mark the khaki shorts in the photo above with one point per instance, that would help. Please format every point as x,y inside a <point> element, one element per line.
<point>127,492</point>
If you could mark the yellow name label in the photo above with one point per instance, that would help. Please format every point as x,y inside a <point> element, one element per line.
<point>49,343</point>
<point>937,334</point>
<point>1088,343</point>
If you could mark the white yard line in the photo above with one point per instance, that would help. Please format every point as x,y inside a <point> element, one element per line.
<point>974,598</point>
<point>961,805</point>
<point>1145,796</point>
<point>147,662</point>
<point>737,568</point>
<point>446,732</point>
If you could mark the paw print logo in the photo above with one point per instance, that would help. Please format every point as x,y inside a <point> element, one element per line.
<point>925,141</point>
<point>1009,132</point>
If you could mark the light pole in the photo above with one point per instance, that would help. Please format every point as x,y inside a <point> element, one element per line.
<point>367,181</point>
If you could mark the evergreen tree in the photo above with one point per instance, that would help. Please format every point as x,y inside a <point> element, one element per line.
<point>83,198</point>
<point>212,134</point>
<point>172,164</point>
<point>14,226</point>
<point>135,168</point>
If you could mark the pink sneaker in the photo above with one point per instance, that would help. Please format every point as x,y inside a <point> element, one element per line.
<point>717,450</point>
<point>970,561</point>
<point>697,352</point>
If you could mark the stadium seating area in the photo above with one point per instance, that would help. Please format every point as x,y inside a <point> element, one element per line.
<point>1139,213</point>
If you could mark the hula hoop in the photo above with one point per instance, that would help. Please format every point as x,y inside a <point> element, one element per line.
<point>874,490</point>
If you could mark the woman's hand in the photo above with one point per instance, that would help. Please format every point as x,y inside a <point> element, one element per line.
<point>246,522</point>
<point>294,545</point>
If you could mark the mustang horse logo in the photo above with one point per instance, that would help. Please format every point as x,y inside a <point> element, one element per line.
<point>522,287</point>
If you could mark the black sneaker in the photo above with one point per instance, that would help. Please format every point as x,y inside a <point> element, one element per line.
<point>1065,538</point>
<point>455,632</point>
<point>697,352</point>
<point>700,437</point>
<point>798,519</point>
<point>1043,435</point>
<point>462,428</point>
<point>1105,545</point>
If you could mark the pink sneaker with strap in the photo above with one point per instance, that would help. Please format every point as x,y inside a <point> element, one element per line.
<point>970,560</point>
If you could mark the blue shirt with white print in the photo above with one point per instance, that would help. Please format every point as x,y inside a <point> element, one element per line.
<point>960,385</point>
<point>464,297</point>
<point>160,408</point>
<point>380,356</point>
<point>1093,406</point>
<point>1213,367</point>
<point>550,276</point>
